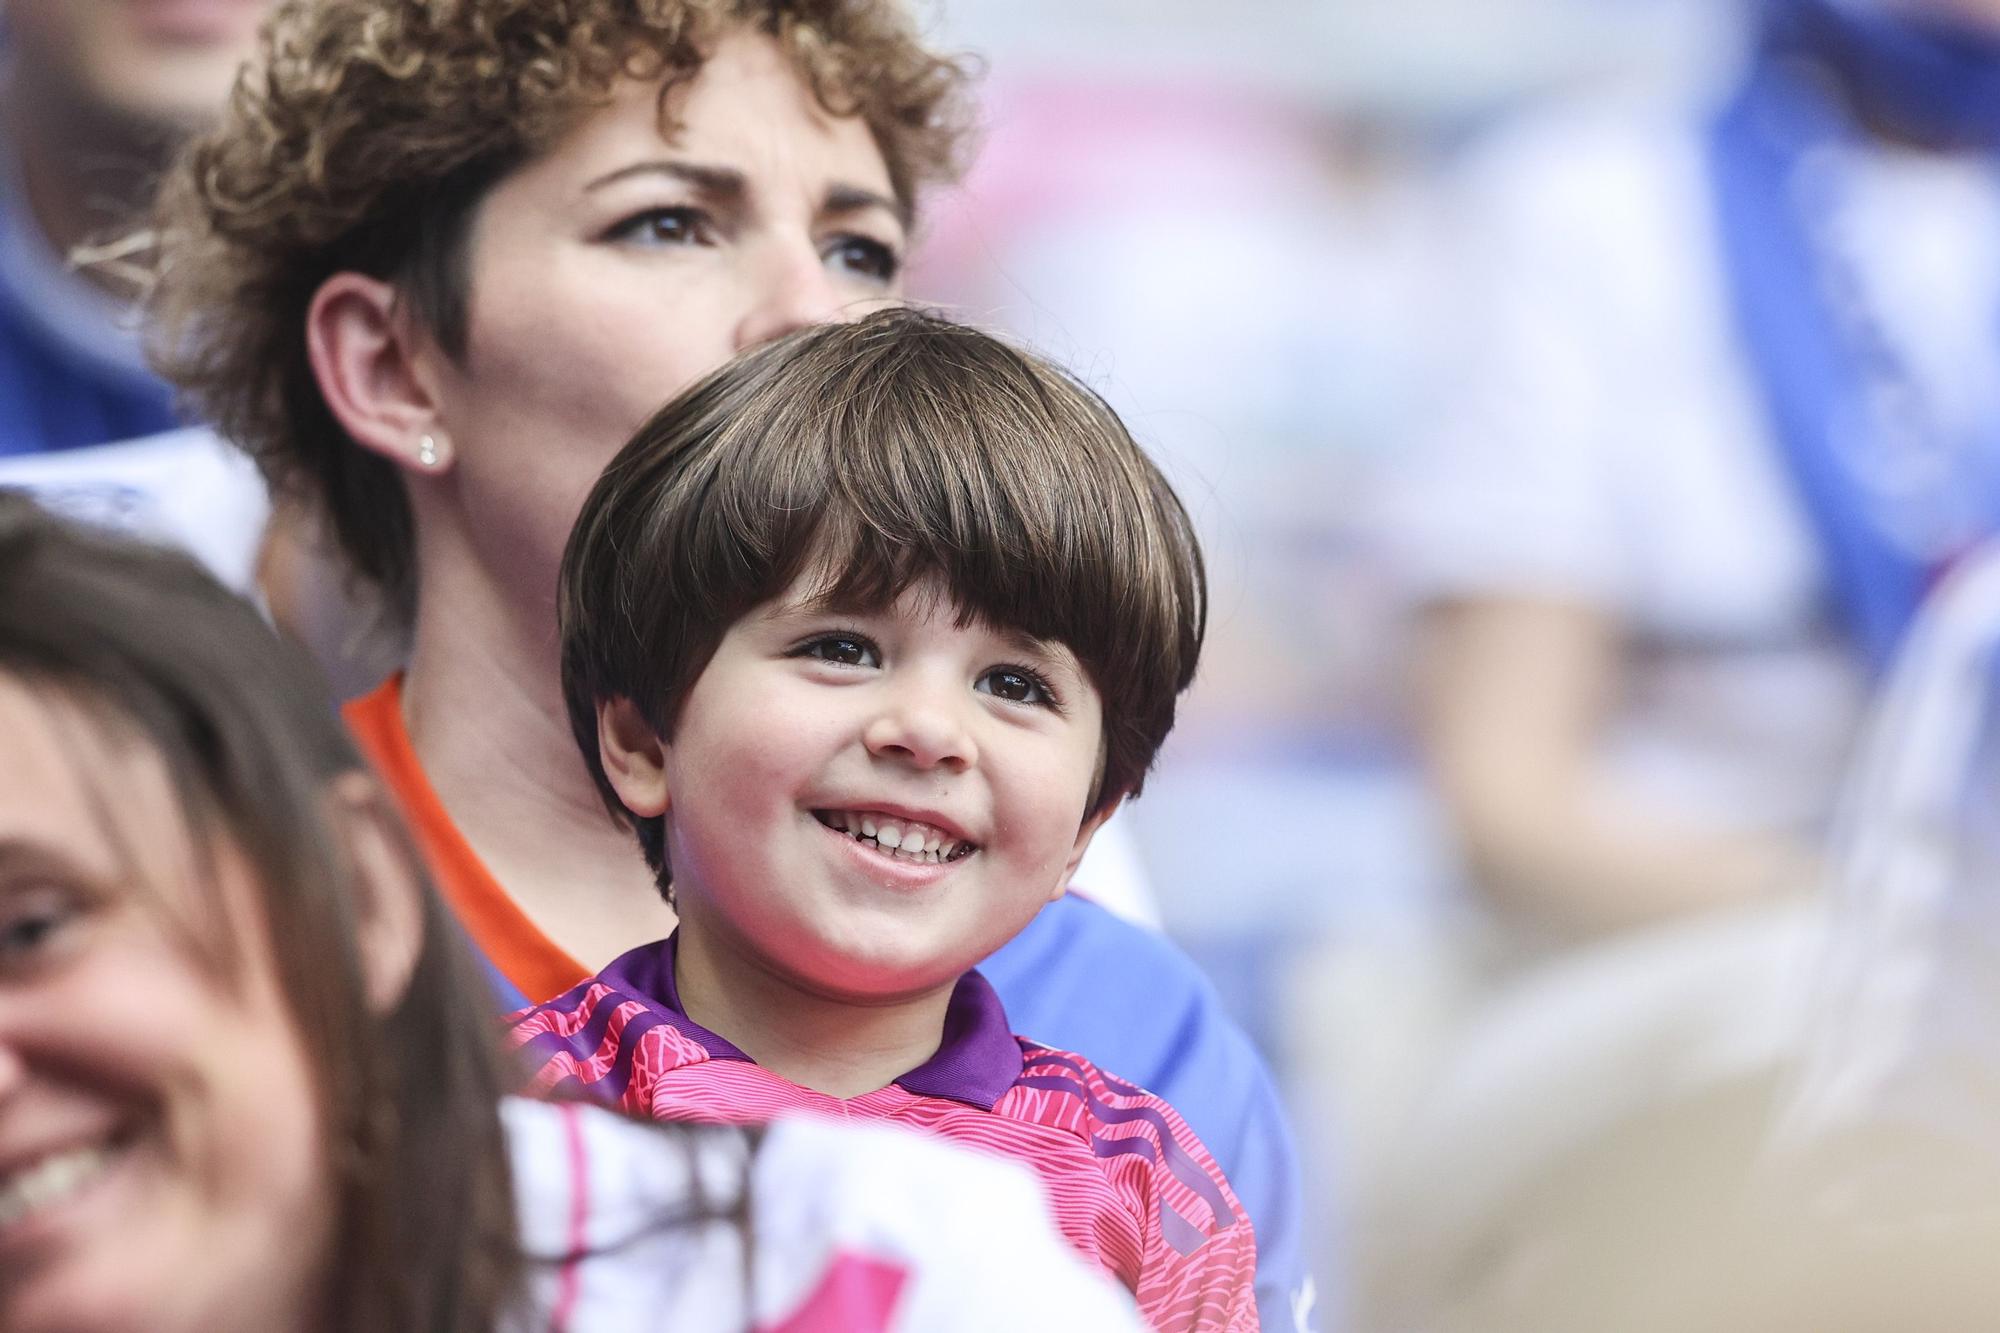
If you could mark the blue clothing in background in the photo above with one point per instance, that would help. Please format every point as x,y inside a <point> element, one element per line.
<point>51,399</point>
<point>71,370</point>
<point>1892,494</point>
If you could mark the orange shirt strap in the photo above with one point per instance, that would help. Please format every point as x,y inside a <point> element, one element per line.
<point>500,930</point>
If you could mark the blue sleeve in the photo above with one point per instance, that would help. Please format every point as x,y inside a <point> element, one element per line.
<point>1125,998</point>
<point>53,401</point>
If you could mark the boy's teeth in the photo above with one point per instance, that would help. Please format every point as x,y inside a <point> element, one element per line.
<point>48,1181</point>
<point>914,842</point>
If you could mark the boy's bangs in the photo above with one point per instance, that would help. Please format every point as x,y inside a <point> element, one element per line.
<point>867,494</point>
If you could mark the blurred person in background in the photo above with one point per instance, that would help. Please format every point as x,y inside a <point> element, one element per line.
<point>95,97</point>
<point>249,1077</point>
<point>1849,1185</point>
<point>1731,407</point>
<point>516,230</point>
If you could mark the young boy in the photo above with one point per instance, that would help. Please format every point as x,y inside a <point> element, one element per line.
<point>865,636</point>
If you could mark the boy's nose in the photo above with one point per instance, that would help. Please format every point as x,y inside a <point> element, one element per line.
<point>922,730</point>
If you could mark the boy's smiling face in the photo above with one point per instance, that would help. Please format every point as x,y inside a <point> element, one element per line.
<point>865,806</point>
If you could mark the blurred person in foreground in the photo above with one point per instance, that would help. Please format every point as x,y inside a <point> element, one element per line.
<point>249,1079</point>
<point>437,263</point>
<point>95,97</point>
<point>1734,404</point>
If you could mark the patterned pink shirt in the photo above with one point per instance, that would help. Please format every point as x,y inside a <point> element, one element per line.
<point>1130,1186</point>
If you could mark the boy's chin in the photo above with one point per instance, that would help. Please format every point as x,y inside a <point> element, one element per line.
<point>876,977</point>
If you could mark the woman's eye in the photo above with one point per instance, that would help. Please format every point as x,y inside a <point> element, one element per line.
<point>866,258</point>
<point>843,649</point>
<point>1015,685</point>
<point>664,226</point>
<point>33,923</point>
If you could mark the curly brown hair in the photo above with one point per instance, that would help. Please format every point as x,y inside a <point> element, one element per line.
<point>363,138</point>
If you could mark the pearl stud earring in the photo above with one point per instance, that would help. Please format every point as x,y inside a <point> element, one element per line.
<point>427,451</point>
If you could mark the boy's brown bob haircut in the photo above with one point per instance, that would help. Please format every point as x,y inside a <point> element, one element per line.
<point>882,454</point>
<point>365,136</point>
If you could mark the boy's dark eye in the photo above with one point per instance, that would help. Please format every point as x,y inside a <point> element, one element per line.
<point>1015,685</point>
<point>844,649</point>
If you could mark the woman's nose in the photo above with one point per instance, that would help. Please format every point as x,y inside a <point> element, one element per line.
<point>791,290</point>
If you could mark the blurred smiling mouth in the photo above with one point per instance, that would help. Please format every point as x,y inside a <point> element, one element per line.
<point>50,1180</point>
<point>897,838</point>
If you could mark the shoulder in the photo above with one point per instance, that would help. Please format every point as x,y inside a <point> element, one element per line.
<point>1097,993</point>
<point>1086,955</point>
<point>602,1040</point>
<point>1123,1126</point>
<point>1080,979</point>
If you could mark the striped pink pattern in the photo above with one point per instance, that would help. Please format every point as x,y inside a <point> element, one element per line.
<point>1131,1188</point>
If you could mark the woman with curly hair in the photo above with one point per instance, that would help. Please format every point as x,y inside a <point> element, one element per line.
<point>438,261</point>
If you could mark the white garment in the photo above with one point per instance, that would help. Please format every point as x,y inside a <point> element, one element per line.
<point>1610,446</point>
<point>960,1242</point>
<point>185,488</point>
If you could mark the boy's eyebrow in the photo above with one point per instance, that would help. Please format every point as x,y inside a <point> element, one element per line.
<point>1028,645</point>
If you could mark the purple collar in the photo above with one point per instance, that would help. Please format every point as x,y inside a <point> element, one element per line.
<point>976,1063</point>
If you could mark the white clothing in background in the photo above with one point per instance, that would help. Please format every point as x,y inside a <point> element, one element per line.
<point>185,488</point>
<point>1610,446</point>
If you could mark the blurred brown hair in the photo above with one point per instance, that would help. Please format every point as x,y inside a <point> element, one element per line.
<point>364,137</point>
<point>879,454</point>
<point>147,649</point>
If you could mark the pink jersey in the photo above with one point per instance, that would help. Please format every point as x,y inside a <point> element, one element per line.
<point>1130,1186</point>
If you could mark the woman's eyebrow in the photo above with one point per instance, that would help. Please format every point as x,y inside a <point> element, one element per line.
<point>723,182</point>
<point>843,199</point>
<point>25,856</point>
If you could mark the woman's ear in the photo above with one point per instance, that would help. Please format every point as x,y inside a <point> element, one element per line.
<point>373,370</point>
<point>634,758</point>
<point>1091,824</point>
<point>389,889</point>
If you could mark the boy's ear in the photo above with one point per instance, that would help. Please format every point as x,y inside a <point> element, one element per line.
<point>373,370</point>
<point>388,906</point>
<point>1083,836</point>
<point>634,758</point>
